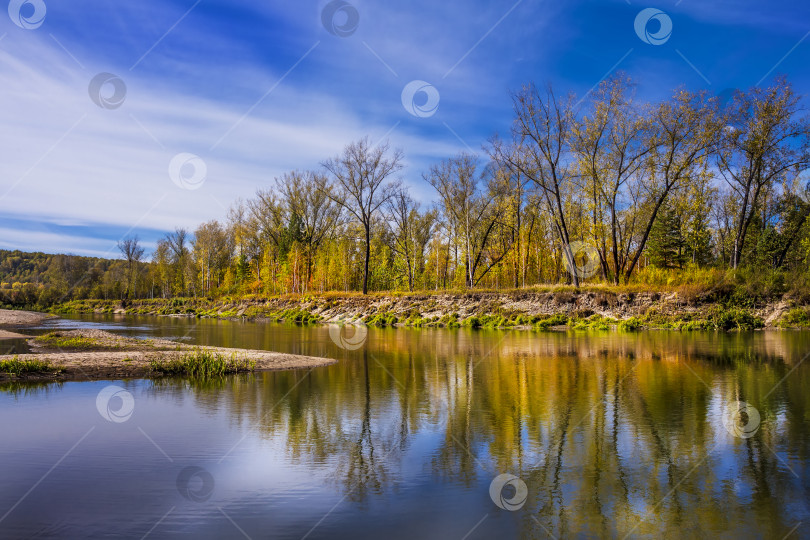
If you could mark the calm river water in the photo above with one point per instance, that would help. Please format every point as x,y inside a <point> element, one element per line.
<point>422,434</point>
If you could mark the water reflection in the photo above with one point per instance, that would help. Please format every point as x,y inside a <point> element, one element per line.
<point>613,434</point>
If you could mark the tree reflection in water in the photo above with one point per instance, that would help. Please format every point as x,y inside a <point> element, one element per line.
<point>612,433</point>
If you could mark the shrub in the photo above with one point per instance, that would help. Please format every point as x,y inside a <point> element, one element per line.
<point>795,318</point>
<point>632,324</point>
<point>735,319</point>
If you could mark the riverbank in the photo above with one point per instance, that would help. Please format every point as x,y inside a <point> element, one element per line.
<point>16,319</point>
<point>96,354</point>
<point>597,308</point>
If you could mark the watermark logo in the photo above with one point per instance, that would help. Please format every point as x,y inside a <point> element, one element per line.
<point>650,17</point>
<point>500,496</point>
<point>27,14</point>
<point>108,91</point>
<point>340,18</point>
<point>428,103</point>
<point>741,419</point>
<point>348,336</point>
<point>195,484</point>
<point>115,404</point>
<point>188,171</point>
<point>585,260</point>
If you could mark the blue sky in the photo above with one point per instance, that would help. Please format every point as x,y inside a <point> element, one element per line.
<point>257,88</point>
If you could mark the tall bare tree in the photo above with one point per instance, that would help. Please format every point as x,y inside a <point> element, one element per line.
<point>362,184</point>
<point>541,151</point>
<point>612,141</point>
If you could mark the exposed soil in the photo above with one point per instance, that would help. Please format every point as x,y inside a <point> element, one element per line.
<point>333,307</point>
<point>656,307</point>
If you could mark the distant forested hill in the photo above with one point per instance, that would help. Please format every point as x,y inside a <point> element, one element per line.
<point>42,278</point>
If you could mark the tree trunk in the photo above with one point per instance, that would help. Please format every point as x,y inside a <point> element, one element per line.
<point>368,257</point>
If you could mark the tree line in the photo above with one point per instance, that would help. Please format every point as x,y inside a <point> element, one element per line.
<point>603,188</point>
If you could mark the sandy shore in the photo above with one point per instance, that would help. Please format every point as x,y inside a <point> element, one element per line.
<point>16,318</point>
<point>5,334</point>
<point>10,318</point>
<point>114,357</point>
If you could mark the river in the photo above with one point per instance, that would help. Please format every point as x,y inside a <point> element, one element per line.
<point>421,433</point>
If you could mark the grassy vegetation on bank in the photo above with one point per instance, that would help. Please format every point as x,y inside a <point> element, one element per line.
<point>575,310</point>
<point>17,367</point>
<point>202,364</point>
<point>696,299</point>
<point>55,340</point>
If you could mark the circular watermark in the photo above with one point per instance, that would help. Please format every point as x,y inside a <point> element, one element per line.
<point>427,105</point>
<point>27,14</point>
<point>349,341</point>
<point>108,91</point>
<point>585,261</point>
<point>741,419</point>
<point>188,171</point>
<point>195,484</point>
<point>115,404</point>
<point>340,18</point>
<point>643,22</point>
<point>501,500</point>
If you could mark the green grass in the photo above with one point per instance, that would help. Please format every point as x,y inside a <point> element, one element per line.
<point>201,363</point>
<point>15,366</point>
<point>55,340</point>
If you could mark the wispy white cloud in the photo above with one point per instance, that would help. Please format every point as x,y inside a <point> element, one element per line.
<point>66,159</point>
<point>53,242</point>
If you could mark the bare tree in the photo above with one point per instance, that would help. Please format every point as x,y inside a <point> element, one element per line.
<point>132,253</point>
<point>361,184</point>
<point>541,151</point>
<point>612,143</point>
